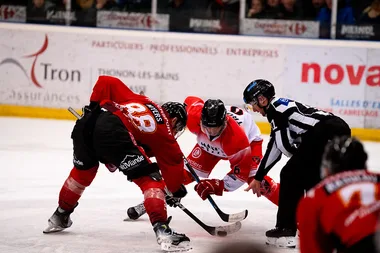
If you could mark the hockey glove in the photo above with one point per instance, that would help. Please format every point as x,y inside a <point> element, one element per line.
<point>176,197</point>
<point>93,106</point>
<point>209,186</point>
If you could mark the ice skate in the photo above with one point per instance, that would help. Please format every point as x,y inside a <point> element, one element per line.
<point>135,212</point>
<point>281,237</point>
<point>169,240</point>
<point>60,220</point>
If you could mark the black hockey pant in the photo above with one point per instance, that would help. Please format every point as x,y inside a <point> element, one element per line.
<point>302,171</point>
<point>101,136</point>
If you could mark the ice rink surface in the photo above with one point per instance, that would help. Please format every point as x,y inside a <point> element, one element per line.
<point>36,158</point>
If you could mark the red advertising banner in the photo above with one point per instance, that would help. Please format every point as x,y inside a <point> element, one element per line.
<point>285,28</point>
<point>132,20</point>
<point>12,13</point>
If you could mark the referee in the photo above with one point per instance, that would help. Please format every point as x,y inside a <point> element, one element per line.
<point>300,132</point>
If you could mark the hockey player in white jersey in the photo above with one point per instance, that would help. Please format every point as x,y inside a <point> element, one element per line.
<point>223,133</point>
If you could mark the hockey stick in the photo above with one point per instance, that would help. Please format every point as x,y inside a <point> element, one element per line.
<point>73,112</point>
<point>215,231</point>
<point>225,217</point>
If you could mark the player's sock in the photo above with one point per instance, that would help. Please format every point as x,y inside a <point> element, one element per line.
<point>74,187</point>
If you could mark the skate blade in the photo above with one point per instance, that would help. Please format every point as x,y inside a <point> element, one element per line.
<point>52,229</point>
<point>288,242</point>
<point>130,220</point>
<point>167,246</point>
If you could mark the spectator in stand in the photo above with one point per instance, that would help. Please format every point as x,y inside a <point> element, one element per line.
<point>109,5</point>
<point>371,14</point>
<point>256,9</point>
<point>312,8</point>
<point>37,11</point>
<point>143,6</point>
<point>85,12</point>
<point>227,11</point>
<point>291,9</point>
<point>273,10</point>
<point>180,12</point>
<point>345,13</point>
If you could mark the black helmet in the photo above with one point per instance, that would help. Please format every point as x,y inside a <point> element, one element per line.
<point>176,110</point>
<point>213,113</point>
<point>256,88</point>
<point>343,154</point>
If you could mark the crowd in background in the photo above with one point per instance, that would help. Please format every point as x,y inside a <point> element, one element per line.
<point>84,12</point>
<point>349,11</point>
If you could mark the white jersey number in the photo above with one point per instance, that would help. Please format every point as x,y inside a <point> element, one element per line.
<point>141,117</point>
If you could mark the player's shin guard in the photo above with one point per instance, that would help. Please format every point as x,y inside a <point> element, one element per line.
<point>74,186</point>
<point>270,189</point>
<point>155,205</point>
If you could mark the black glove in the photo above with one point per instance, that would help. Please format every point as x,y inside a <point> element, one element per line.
<point>175,198</point>
<point>93,106</point>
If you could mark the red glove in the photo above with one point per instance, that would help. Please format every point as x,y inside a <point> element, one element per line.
<point>209,186</point>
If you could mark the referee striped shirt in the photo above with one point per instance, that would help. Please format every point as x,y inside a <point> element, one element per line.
<point>289,120</point>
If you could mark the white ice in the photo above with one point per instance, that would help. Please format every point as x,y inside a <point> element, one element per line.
<point>36,158</point>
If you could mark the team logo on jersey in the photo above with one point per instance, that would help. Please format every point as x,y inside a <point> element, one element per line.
<point>196,152</point>
<point>155,113</point>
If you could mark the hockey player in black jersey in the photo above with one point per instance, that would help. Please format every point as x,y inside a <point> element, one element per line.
<point>300,132</point>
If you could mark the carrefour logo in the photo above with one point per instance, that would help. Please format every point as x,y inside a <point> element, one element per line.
<point>49,71</point>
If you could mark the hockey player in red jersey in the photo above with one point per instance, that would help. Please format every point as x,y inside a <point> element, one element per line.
<point>341,212</point>
<point>122,129</point>
<point>224,135</point>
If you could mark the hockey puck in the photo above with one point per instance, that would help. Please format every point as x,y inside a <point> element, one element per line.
<point>222,233</point>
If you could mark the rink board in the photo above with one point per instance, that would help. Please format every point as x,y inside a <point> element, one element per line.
<point>64,114</point>
<point>58,67</point>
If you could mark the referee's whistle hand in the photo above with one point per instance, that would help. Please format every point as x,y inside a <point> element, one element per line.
<point>255,187</point>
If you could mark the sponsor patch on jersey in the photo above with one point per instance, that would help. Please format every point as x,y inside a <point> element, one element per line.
<point>155,113</point>
<point>212,149</point>
<point>196,152</point>
<point>131,161</point>
<point>77,162</point>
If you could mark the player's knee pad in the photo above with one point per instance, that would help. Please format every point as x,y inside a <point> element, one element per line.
<point>154,193</point>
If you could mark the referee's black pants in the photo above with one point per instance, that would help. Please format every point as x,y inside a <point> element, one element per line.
<point>302,171</point>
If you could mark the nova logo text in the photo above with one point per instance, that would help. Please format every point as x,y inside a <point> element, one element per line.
<point>335,74</point>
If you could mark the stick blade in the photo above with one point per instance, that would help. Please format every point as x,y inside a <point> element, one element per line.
<point>223,231</point>
<point>237,216</point>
